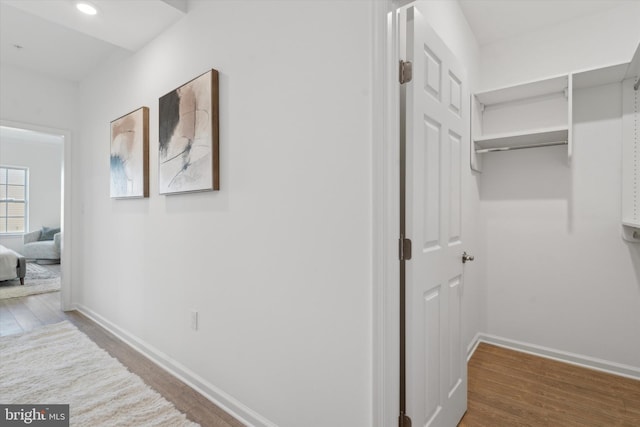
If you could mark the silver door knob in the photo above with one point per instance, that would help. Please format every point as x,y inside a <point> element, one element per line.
<point>466,257</point>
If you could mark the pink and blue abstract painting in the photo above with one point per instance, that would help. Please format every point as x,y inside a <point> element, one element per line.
<point>188,158</point>
<point>130,155</point>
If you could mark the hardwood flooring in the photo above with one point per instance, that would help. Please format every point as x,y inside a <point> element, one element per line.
<point>19,315</point>
<point>506,388</point>
<point>510,388</point>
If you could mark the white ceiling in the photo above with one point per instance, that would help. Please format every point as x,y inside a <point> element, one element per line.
<point>493,20</point>
<point>59,40</point>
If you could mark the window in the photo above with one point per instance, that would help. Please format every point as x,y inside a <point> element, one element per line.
<point>13,199</point>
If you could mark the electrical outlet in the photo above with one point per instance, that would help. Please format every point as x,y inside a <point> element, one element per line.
<point>194,320</point>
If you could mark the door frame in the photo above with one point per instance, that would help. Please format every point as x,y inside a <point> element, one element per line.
<point>65,216</point>
<point>385,89</point>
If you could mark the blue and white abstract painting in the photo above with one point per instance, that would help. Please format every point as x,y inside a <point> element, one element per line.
<point>188,137</point>
<point>130,155</point>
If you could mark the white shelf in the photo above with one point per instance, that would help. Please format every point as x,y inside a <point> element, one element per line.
<point>599,76</point>
<point>523,138</point>
<point>528,115</point>
<point>633,71</point>
<point>631,232</point>
<point>523,91</point>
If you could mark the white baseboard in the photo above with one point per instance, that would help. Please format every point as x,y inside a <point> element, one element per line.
<point>471,348</point>
<point>558,355</point>
<point>226,402</point>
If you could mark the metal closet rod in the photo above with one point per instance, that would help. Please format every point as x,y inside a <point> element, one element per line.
<point>520,147</point>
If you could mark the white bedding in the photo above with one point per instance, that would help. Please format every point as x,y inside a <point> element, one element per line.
<point>8,263</point>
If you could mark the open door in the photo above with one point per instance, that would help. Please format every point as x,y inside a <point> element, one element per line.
<point>435,111</point>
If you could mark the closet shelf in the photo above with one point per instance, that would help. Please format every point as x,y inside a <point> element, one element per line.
<point>631,224</point>
<point>532,114</point>
<point>523,139</point>
<point>599,76</point>
<point>631,232</point>
<point>523,91</point>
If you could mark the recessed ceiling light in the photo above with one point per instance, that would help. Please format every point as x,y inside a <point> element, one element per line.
<point>87,8</point>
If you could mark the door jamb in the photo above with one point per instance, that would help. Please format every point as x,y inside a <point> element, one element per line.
<point>385,213</point>
<point>65,280</point>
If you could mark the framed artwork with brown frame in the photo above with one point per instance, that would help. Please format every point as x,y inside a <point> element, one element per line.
<point>188,149</point>
<point>130,155</point>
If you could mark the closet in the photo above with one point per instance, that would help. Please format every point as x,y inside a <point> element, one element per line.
<point>539,114</point>
<point>528,115</point>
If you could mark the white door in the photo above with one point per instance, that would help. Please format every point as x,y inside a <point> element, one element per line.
<point>437,120</point>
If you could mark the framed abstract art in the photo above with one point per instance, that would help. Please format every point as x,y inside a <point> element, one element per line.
<point>130,155</point>
<point>188,157</point>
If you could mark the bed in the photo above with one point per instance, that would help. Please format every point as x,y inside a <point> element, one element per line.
<point>12,265</point>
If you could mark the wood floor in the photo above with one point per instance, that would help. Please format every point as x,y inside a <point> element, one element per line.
<point>506,388</point>
<point>509,388</point>
<point>23,314</point>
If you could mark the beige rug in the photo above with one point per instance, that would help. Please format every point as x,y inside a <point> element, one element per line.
<point>38,280</point>
<point>58,364</point>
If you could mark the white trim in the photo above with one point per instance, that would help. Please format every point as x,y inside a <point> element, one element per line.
<point>378,141</point>
<point>385,195</point>
<point>601,365</point>
<point>473,345</point>
<point>226,402</point>
<point>66,284</point>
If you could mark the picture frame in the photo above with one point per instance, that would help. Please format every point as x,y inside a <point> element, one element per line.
<point>129,166</point>
<point>188,137</point>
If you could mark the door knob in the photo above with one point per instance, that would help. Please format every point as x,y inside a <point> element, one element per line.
<point>466,257</point>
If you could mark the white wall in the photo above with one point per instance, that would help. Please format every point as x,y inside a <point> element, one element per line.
<point>447,19</point>
<point>277,263</point>
<point>559,275</point>
<point>593,41</point>
<point>37,99</point>
<point>44,160</point>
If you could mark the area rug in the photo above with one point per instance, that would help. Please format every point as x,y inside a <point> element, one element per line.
<point>38,280</point>
<point>58,364</point>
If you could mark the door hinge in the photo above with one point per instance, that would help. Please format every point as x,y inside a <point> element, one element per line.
<point>406,72</point>
<point>404,420</point>
<point>404,246</point>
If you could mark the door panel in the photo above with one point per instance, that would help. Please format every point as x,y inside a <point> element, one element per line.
<point>455,333</point>
<point>431,350</point>
<point>436,129</point>
<point>455,188</point>
<point>431,171</point>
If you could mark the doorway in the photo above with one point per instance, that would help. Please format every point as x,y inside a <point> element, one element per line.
<point>388,244</point>
<point>16,132</point>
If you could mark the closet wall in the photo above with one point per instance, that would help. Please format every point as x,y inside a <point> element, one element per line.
<point>559,275</point>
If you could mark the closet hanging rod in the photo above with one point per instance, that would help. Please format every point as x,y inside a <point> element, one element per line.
<point>520,147</point>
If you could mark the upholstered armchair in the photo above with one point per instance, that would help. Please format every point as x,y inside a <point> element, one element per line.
<point>36,249</point>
